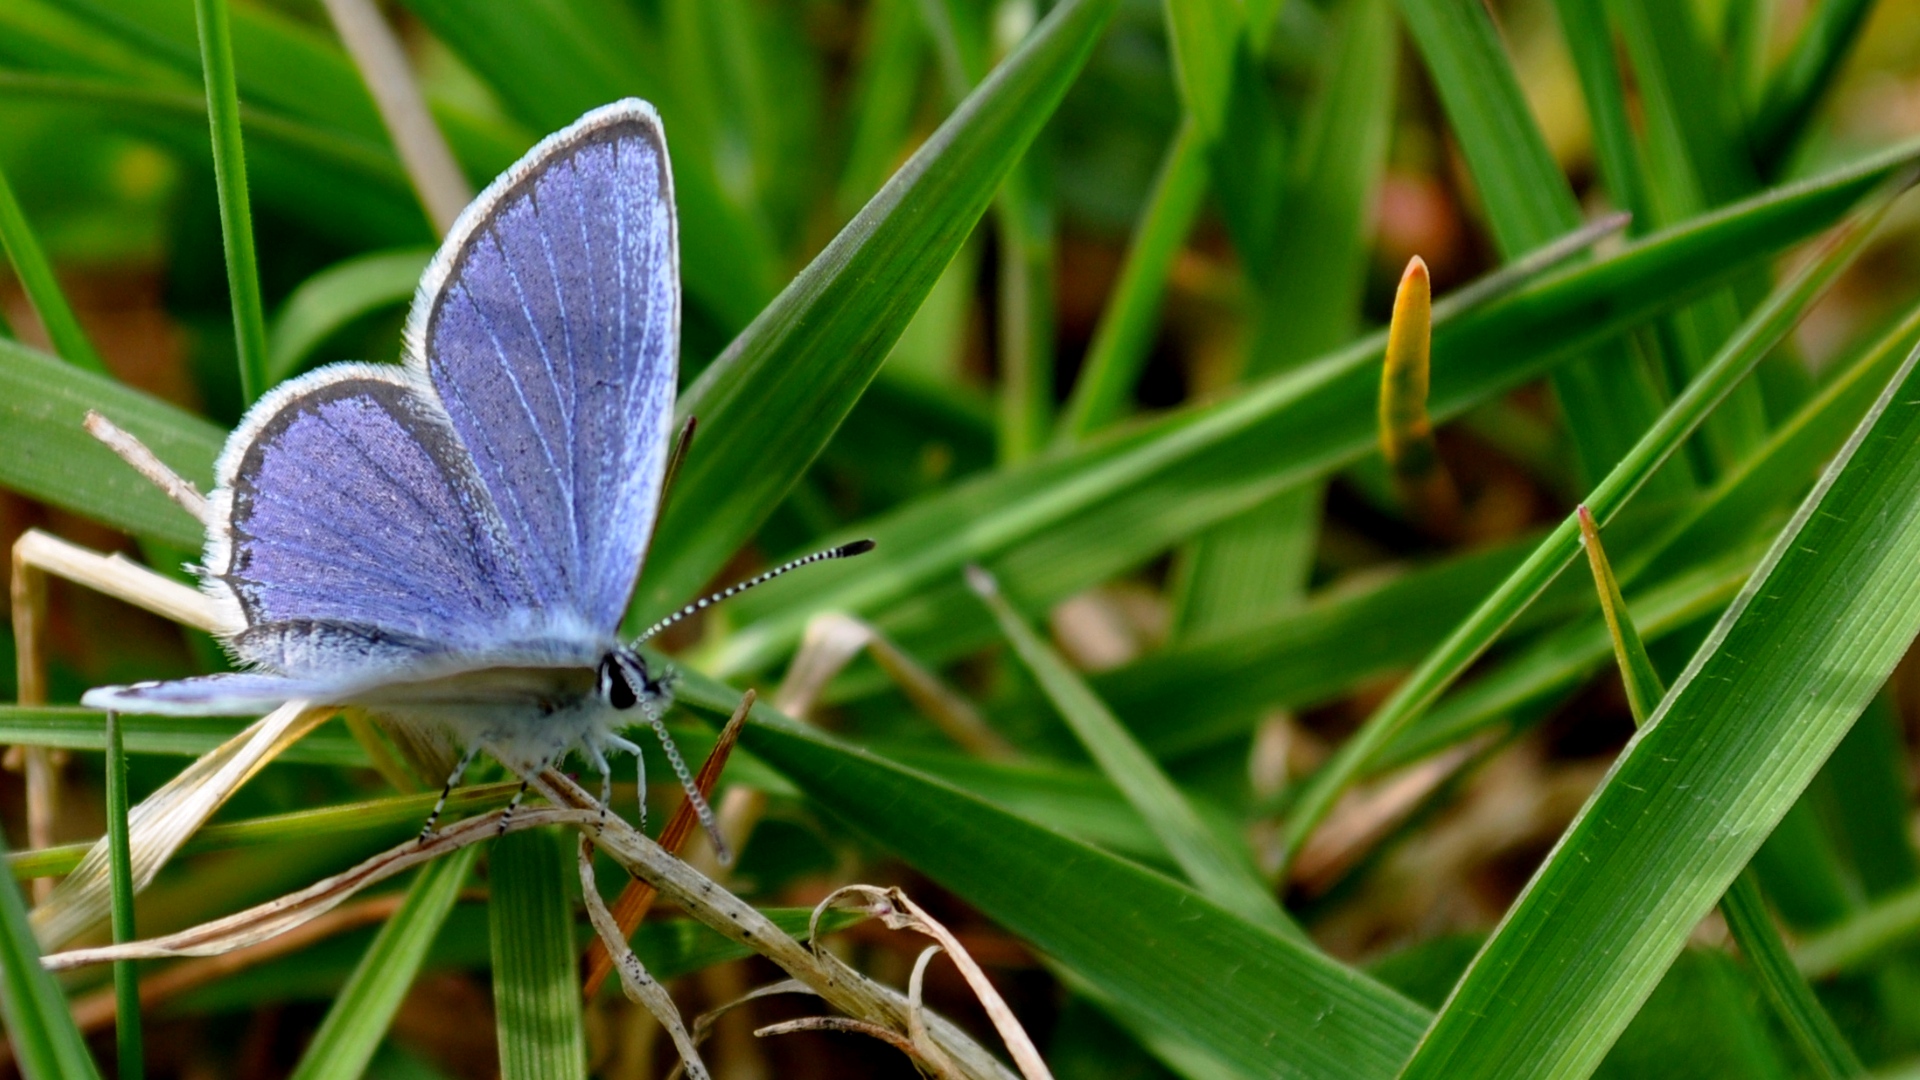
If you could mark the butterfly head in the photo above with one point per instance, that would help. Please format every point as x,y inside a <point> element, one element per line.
<point>623,681</point>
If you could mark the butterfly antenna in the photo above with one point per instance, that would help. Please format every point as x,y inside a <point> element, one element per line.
<point>844,551</point>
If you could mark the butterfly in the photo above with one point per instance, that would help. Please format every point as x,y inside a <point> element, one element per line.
<point>451,542</point>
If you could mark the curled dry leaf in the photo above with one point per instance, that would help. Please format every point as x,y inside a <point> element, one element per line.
<point>704,1023</point>
<point>893,908</point>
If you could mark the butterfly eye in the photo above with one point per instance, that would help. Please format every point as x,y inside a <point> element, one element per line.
<point>614,685</point>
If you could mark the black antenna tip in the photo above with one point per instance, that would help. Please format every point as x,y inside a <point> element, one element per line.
<point>858,547</point>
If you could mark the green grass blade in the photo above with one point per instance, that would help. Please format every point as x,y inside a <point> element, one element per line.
<point>1124,335</point>
<point>236,210</point>
<point>359,1017</point>
<point>1802,79</point>
<point>1060,524</point>
<point>1024,226</point>
<point>1558,663</point>
<point>70,727</point>
<point>1695,160</point>
<point>551,62</point>
<point>1204,34</point>
<point>45,1042</point>
<point>1740,735</point>
<point>1758,335</point>
<point>396,815</point>
<point>1590,41</point>
<point>1745,910</point>
<point>1251,998</point>
<point>774,398</point>
<point>1793,1000</point>
<point>536,983</point>
<point>1864,941</point>
<point>884,97</point>
<point>42,288</point>
<point>335,297</point>
<point>1250,566</point>
<point>1607,399</point>
<point>51,457</point>
<point>1024,216</point>
<point>1218,871</point>
<point>126,975</point>
<point>1782,468</point>
<point>1637,673</point>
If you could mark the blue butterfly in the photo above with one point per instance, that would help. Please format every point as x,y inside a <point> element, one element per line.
<point>451,543</point>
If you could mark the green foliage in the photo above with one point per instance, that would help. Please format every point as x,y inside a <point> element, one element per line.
<point>1088,294</point>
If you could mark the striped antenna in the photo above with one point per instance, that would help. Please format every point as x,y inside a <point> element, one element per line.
<point>844,551</point>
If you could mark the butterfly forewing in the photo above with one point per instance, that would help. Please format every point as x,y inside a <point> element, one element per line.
<point>549,326</point>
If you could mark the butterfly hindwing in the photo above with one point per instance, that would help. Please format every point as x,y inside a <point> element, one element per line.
<point>355,533</point>
<point>231,694</point>
<point>549,327</point>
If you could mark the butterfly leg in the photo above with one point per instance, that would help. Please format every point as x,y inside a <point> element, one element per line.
<point>620,742</point>
<point>513,805</point>
<point>440,804</point>
<point>599,758</point>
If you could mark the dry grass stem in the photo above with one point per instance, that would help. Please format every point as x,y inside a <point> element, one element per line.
<point>437,177</point>
<point>896,911</point>
<point>162,822</point>
<point>269,920</point>
<point>117,577</point>
<point>832,640</point>
<point>1364,817</point>
<point>634,979</point>
<point>148,464</point>
<point>739,921</point>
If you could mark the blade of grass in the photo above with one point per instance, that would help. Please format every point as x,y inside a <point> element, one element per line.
<point>548,63</point>
<point>39,1026</point>
<point>1734,742</point>
<point>358,1019</point>
<point>1121,341</point>
<point>51,457</point>
<point>885,93</point>
<point>1802,79</point>
<point>1261,561</point>
<point>42,288</point>
<point>1219,872</point>
<point>1756,337</point>
<point>397,815</point>
<point>1590,42</point>
<point>1864,941</point>
<point>1607,399</point>
<point>1250,997</point>
<point>126,976</point>
<point>1694,160</point>
<point>1782,467</point>
<point>536,992</point>
<point>1062,523</point>
<point>1557,664</point>
<point>1745,910</point>
<point>236,210</point>
<point>1204,35</point>
<point>74,728</point>
<point>333,298</point>
<point>1023,221</point>
<point>784,385</point>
